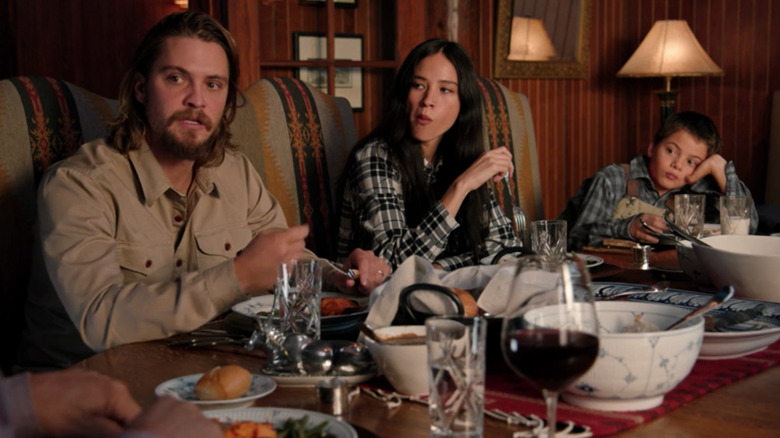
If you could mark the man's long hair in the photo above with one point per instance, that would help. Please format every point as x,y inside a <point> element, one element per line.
<point>129,128</point>
<point>460,146</point>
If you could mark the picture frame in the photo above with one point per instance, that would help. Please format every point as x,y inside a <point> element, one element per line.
<point>337,3</point>
<point>311,46</point>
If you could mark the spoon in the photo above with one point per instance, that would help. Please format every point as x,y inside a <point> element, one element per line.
<point>658,287</point>
<point>684,234</point>
<point>722,295</point>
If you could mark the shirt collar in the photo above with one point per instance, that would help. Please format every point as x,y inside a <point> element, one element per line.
<point>153,181</point>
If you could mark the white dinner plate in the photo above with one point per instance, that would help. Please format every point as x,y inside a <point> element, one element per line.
<point>183,388</point>
<point>277,416</point>
<point>748,337</point>
<point>264,303</point>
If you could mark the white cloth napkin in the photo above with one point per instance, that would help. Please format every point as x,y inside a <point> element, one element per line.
<point>493,281</point>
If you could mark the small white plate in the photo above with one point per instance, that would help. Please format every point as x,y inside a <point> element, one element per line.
<point>183,388</point>
<point>740,340</point>
<point>264,303</point>
<point>278,416</point>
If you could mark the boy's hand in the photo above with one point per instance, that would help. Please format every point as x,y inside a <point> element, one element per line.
<point>714,165</point>
<point>640,233</point>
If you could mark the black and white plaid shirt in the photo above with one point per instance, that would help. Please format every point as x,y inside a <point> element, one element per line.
<point>373,217</point>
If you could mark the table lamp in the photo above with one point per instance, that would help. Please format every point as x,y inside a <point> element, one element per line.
<point>669,49</point>
<point>529,41</point>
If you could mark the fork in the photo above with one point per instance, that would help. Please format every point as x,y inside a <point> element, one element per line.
<point>352,274</point>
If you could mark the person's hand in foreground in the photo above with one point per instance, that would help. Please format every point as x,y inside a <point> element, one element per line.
<point>172,418</point>
<point>78,403</point>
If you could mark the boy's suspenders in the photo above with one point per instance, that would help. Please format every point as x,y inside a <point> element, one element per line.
<point>632,189</point>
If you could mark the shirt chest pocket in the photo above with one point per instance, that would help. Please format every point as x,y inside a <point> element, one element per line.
<point>217,246</point>
<point>145,262</point>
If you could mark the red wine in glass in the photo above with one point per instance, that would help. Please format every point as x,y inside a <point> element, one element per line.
<point>550,329</point>
<point>550,359</point>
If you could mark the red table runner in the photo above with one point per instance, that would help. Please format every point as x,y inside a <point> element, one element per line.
<point>505,391</point>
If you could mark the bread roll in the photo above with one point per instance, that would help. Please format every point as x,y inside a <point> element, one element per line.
<point>469,304</point>
<point>223,383</point>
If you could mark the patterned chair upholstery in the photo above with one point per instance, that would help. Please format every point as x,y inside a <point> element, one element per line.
<point>297,137</point>
<point>508,122</point>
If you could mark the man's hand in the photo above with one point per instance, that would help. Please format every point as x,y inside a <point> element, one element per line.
<point>256,266</point>
<point>642,234</point>
<point>714,165</point>
<point>171,418</point>
<point>78,403</point>
<point>373,270</point>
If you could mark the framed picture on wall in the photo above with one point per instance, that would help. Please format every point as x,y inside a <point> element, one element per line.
<point>339,3</point>
<point>349,80</point>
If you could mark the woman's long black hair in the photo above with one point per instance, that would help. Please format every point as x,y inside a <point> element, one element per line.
<point>460,146</point>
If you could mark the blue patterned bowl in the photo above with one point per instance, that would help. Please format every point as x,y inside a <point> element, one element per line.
<point>634,370</point>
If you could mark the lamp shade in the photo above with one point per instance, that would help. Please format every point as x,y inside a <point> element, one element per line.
<point>670,49</point>
<point>529,41</point>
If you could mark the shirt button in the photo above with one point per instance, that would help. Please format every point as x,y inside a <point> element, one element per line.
<point>227,247</point>
<point>177,218</point>
<point>178,263</point>
<point>148,263</point>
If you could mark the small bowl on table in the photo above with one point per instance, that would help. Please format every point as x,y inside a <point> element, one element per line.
<point>634,370</point>
<point>404,365</point>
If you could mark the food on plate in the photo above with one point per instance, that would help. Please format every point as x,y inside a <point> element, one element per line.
<point>331,306</point>
<point>469,304</point>
<point>292,428</point>
<point>250,429</point>
<point>223,383</point>
<point>640,326</point>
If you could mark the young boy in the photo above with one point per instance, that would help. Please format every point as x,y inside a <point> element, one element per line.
<point>684,157</point>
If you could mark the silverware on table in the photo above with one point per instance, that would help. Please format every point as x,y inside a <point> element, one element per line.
<point>352,274</point>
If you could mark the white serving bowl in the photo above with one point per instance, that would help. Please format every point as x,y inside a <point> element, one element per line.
<point>634,370</point>
<point>689,263</point>
<point>404,366</point>
<point>749,263</point>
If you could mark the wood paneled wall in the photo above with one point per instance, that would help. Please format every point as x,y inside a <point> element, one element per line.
<point>581,124</point>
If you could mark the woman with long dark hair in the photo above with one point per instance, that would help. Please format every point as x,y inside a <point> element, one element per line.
<point>416,185</point>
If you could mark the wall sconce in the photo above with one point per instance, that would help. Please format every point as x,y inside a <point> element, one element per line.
<point>669,49</point>
<point>529,41</point>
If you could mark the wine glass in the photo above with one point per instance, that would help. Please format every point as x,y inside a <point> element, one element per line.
<point>550,330</point>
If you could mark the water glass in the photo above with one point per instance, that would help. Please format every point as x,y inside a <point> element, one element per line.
<point>456,375</point>
<point>735,215</point>
<point>689,213</point>
<point>298,294</point>
<point>548,238</point>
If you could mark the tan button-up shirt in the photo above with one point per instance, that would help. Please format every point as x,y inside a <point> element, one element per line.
<point>130,258</point>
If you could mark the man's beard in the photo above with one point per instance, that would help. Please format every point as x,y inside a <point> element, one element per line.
<point>183,148</point>
<point>188,150</point>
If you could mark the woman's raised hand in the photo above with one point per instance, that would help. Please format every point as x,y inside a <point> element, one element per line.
<point>493,164</point>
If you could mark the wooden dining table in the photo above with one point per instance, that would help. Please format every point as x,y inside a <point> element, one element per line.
<point>747,407</point>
